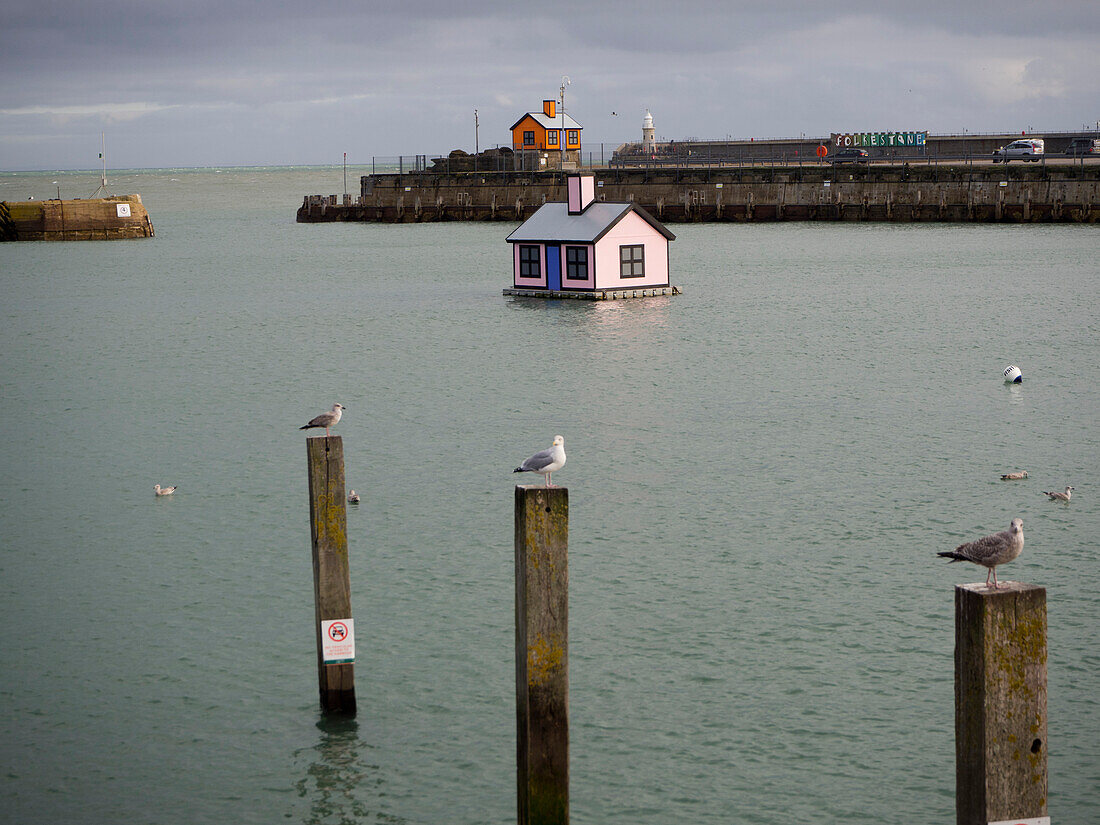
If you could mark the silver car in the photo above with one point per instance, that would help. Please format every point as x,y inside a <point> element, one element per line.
<point>1028,149</point>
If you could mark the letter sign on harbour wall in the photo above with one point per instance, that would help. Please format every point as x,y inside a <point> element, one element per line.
<point>869,140</point>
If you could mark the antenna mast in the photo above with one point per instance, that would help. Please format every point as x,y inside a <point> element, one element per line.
<point>565,81</point>
<point>103,157</point>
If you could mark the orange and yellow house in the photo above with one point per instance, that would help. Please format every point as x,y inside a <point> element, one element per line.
<point>552,133</point>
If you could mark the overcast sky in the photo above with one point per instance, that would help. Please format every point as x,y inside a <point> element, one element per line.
<point>273,82</point>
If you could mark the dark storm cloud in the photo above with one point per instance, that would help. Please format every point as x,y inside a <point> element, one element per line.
<point>283,82</point>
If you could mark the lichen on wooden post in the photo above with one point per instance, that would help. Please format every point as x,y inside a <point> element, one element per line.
<point>542,654</point>
<point>1000,703</point>
<point>328,520</point>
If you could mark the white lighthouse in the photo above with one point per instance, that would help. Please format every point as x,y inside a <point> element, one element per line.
<point>649,142</point>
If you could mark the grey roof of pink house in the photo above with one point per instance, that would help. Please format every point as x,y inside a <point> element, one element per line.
<point>552,222</point>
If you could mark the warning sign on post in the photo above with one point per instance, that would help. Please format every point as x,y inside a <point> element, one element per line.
<point>338,641</point>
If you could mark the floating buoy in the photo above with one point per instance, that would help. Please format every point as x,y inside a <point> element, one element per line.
<point>1013,374</point>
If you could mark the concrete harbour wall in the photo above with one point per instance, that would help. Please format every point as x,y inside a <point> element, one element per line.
<point>90,219</point>
<point>1067,193</point>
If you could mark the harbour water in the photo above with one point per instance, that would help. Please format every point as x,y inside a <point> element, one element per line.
<point>761,471</point>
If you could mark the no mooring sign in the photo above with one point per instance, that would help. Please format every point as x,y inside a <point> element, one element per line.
<point>338,641</point>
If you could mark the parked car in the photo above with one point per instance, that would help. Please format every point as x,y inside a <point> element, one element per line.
<point>850,156</point>
<point>1030,149</point>
<point>1083,146</point>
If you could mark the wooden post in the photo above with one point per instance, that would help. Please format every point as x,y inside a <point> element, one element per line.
<point>1000,703</point>
<point>542,654</point>
<point>328,519</point>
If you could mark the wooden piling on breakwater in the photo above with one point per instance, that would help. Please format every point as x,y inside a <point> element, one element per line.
<point>542,660</point>
<point>1000,704</point>
<point>328,520</point>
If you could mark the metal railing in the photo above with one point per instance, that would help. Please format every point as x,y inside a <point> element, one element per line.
<point>527,162</point>
<point>789,160</point>
<point>497,159</point>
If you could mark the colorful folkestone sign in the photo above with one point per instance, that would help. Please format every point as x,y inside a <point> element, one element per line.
<point>864,140</point>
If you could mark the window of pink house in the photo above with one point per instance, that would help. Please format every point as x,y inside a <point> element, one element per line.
<point>576,263</point>
<point>529,263</point>
<point>632,261</point>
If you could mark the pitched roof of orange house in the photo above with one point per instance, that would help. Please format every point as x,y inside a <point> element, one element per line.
<point>560,121</point>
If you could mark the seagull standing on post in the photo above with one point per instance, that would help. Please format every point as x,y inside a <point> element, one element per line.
<point>326,419</point>
<point>545,461</point>
<point>989,551</point>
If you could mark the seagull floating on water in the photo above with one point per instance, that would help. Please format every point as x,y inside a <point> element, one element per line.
<point>1056,496</point>
<point>989,551</point>
<point>164,491</point>
<point>326,419</point>
<point>1014,476</point>
<point>353,497</point>
<point>545,461</point>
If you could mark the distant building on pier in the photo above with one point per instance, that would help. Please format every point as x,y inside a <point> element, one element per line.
<point>649,139</point>
<point>549,139</point>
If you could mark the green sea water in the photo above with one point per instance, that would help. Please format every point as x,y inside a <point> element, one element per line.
<point>761,472</point>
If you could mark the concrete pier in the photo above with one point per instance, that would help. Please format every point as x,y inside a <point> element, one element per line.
<point>899,193</point>
<point>91,219</point>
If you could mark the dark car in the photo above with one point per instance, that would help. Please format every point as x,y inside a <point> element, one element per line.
<point>850,156</point>
<point>1083,146</point>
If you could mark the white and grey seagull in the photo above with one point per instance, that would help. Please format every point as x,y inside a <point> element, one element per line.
<point>1056,496</point>
<point>989,551</point>
<point>326,419</point>
<point>545,461</point>
<point>163,491</point>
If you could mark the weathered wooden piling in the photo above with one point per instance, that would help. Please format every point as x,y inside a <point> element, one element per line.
<point>542,648</point>
<point>331,577</point>
<point>1000,704</point>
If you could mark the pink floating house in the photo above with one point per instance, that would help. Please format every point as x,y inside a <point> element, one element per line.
<point>587,248</point>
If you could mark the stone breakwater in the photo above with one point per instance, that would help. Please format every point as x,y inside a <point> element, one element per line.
<point>91,219</point>
<point>1027,193</point>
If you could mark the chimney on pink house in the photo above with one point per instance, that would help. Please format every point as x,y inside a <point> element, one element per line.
<point>582,191</point>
